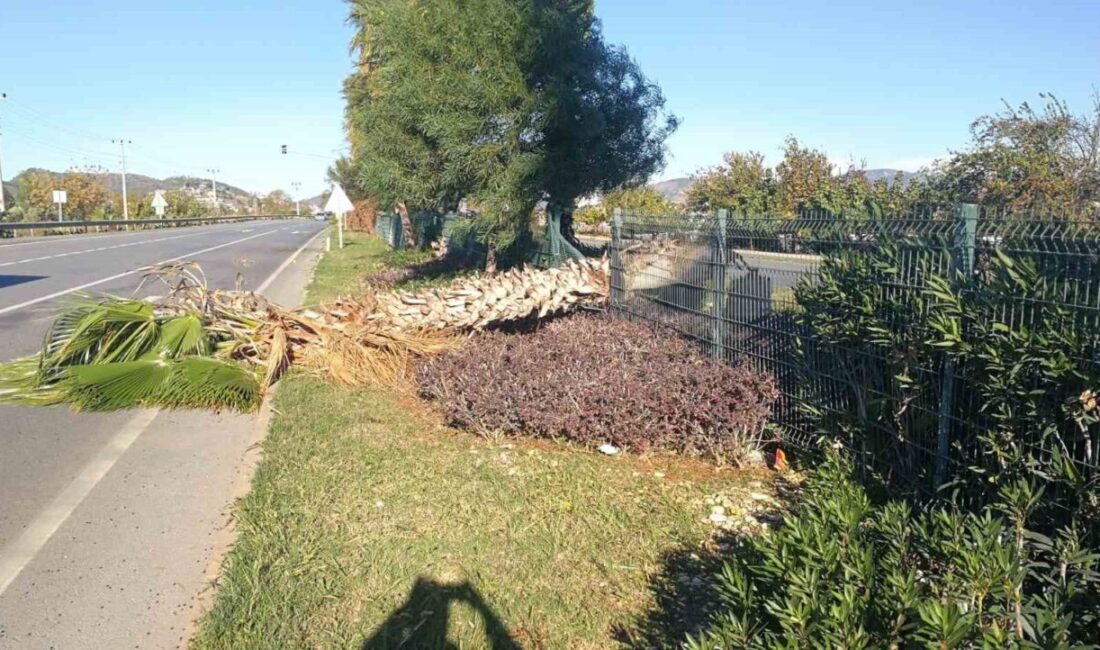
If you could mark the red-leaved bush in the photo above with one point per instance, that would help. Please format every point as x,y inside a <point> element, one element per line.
<point>595,380</point>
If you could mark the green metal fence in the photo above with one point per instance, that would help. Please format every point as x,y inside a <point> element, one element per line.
<point>859,322</point>
<point>427,226</point>
<point>553,248</point>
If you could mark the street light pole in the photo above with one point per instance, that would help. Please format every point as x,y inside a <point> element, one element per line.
<point>3,206</point>
<point>297,198</point>
<point>125,203</point>
<point>214,183</point>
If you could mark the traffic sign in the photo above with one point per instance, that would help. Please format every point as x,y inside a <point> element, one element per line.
<point>60,196</point>
<point>159,203</point>
<point>339,204</point>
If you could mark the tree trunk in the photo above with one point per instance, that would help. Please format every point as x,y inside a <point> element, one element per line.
<point>473,303</point>
<point>491,259</point>
<point>406,225</point>
<point>567,226</point>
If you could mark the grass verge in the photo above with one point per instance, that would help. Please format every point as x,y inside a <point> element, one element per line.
<point>370,525</point>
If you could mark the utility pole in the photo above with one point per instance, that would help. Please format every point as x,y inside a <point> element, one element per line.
<point>125,203</point>
<point>297,198</point>
<point>214,183</point>
<point>3,206</point>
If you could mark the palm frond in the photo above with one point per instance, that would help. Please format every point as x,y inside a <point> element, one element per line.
<point>182,336</point>
<point>201,382</point>
<point>112,386</point>
<point>104,331</point>
<point>20,383</point>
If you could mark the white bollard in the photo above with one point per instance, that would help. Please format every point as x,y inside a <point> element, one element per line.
<point>328,244</point>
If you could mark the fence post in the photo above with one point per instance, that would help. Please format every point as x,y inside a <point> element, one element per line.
<point>554,234</point>
<point>962,263</point>
<point>718,280</point>
<point>616,260</point>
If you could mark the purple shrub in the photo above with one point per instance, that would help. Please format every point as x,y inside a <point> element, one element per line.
<point>595,380</point>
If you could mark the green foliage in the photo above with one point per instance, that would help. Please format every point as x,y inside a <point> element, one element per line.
<point>642,201</point>
<point>115,353</point>
<point>87,197</point>
<point>844,572</point>
<point>744,185</point>
<point>1023,160</point>
<point>1029,160</point>
<point>180,205</point>
<point>803,181</point>
<point>880,326</point>
<point>497,102</point>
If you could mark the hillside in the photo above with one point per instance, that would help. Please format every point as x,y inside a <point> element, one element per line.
<point>674,190</point>
<point>230,198</point>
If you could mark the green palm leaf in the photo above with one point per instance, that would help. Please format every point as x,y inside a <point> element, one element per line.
<point>110,386</point>
<point>106,331</point>
<point>200,382</point>
<point>181,336</point>
<point>20,383</point>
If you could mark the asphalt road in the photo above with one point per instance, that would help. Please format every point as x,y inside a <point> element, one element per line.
<point>109,522</point>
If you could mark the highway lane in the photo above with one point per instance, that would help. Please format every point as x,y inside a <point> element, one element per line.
<point>45,452</point>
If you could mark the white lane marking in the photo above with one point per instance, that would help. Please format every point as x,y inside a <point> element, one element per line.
<point>56,239</point>
<point>287,262</point>
<point>23,550</point>
<point>65,292</point>
<point>19,553</point>
<point>106,248</point>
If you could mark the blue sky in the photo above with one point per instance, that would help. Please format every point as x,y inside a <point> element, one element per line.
<point>197,84</point>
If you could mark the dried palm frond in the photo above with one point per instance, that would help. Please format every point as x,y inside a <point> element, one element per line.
<point>197,347</point>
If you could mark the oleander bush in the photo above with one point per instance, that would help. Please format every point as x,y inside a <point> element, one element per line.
<point>594,380</point>
<point>844,572</point>
<point>880,326</point>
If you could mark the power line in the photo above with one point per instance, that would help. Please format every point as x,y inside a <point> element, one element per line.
<point>30,113</point>
<point>97,155</point>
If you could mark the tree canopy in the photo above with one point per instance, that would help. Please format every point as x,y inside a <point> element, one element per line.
<point>1025,161</point>
<point>1028,159</point>
<point>503,103</point>
<point>804,180</point>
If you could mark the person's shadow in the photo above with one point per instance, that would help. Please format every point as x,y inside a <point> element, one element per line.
<point>421,621</point>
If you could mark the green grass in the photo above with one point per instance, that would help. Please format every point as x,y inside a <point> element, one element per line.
<point>341,272</point>
<point>370,525</point>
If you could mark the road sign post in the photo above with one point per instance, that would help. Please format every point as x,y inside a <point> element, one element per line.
<point>159,203</point>
<point>339,204</point>
<point>60,197</point>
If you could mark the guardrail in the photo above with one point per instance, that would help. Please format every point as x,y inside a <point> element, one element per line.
<point>10,229</point>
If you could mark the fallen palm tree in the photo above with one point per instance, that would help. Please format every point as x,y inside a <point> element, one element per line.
<point>197,347</point>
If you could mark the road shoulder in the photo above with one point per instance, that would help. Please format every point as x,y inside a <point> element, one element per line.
<point>124,569</point>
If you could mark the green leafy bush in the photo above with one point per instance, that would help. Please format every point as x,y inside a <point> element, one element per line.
<point>844,572</point>
<point>881,326</point>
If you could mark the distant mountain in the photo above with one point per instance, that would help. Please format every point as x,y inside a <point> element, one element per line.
<point>889,175</point>
<point>230,198</point>
<point>674,190</point>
